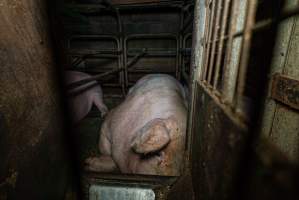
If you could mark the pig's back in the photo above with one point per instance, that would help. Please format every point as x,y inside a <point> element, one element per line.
<point>151,98</point>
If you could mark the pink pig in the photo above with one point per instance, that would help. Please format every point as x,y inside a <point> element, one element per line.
<point>146,133</point>
<point>80,104</point>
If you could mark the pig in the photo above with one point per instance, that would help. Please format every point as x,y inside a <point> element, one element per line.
<point>146,133</point>
<point>81,103</point>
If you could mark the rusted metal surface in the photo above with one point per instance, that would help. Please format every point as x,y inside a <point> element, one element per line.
<point>286,90</point>
<point>217,144</point>
<point>33,163</point>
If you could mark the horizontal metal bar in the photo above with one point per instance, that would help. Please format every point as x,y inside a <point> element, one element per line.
<point>99,37</point>
<point>115,85</point>
<point>87,52</point>
<point>97,8</point>
<point>151,36</point>
<point>136,71</point>
<point>157,54</point>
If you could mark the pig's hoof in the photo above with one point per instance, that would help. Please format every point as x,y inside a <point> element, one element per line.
<point>100,164</point>
<point>90,163</point>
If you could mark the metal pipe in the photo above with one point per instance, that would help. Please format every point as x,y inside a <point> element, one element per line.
<point>220,47</point>
<point>215,34</point>
<point>245,51</point>
<point>99,76</point>
<point>230,65</point>
<point>263,24</point>
<point>144,36</point>
<point>187,24</point>
<point>209,36</point>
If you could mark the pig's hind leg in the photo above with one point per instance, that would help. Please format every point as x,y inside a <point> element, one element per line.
<point>100,164</point>
<point>103,163</point>
<point>98,101</point>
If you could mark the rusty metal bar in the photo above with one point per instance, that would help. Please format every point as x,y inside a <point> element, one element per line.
<point>215,34</point>
<point>232,50</point>
<point>264,24</point>
<point>180,36</point>
<point>184,51</point>
<point>204,41</point>
<point>245,51</point>
<point>207,50</point>
<point>99,76</point>
<point>220,47</point>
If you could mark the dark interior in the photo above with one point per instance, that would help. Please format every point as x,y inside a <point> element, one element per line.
<point>246,148</point>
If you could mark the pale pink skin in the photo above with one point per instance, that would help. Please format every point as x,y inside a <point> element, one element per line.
<point>81,104</point>
<point>146,133</point>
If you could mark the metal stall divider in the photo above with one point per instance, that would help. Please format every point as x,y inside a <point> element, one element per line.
<point>103,53</point>
<point>186,51</point>
<point>151,52</point>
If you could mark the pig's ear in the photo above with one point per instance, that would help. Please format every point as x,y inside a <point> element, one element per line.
<point>151,138</point>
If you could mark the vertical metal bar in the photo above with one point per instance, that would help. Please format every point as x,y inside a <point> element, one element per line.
<point>207,42</point>
<point>245,50</point>
<point>216,27</point>
<point>184,46</point>
<point>125,61</point>
<point>177,58</point>
<point>221,41</point>
<point>233,50</point>
<point>196,71</point>
<point>203,42</point>
<point>180,65</point>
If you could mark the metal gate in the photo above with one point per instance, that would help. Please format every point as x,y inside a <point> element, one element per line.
<point>232,53</point>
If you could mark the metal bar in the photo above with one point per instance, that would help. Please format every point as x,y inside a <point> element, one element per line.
<point>99,76</point>
<point>264,24</point>
<point>185,76</point>
<point>177,59</point>
<point>186,51</point>
<point>207,50</point>
<point>86,52</point>
<point>95,8</point>
<point>144,36</point>
<point>215,33</point>
<point>155,53</point>
<point>220,47</point>
<point>180,64</point>
<point>245,51</point>
<point>229,79</point>
<point>189,21</point>
<point>152,36</point>
<point>112,37</point>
